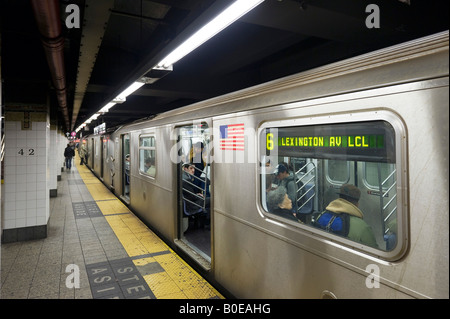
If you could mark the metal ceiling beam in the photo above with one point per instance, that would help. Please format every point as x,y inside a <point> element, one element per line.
<point>96,16</point>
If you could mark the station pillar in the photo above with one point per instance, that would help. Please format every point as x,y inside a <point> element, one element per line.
<point>26,184</point>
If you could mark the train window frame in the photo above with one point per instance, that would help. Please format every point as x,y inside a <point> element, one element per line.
<point>141,156</point>
<point>399,152</point>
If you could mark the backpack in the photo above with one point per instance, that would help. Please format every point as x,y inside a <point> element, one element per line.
<point>333,222</point>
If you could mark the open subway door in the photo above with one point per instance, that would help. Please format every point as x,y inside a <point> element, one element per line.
<point>194,194</point>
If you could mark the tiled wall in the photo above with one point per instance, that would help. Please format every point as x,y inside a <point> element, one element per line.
<point>26,172</point>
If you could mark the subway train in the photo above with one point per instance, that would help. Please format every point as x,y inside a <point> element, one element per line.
<point>377,123</point>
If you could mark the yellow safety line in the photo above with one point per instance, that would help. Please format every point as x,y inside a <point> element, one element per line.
<point>178,280</point>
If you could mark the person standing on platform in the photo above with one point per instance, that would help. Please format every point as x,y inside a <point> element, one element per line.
<point>68,154</point>
<point>82,151</point>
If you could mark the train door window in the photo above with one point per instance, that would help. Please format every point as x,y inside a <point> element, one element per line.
<point>126,166</point>
<point>337,179</point>
<point>337,172</point>
<point>372,177</point>
<point>147,155</point>
<point>194,187</point>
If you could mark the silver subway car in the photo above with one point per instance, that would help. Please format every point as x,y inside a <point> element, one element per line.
<point>262,206</point>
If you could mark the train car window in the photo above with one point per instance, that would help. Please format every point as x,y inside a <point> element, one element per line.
<point>337,179</point>
<point>371,171</point>
<point>147,155</point>
<point>338,172</point>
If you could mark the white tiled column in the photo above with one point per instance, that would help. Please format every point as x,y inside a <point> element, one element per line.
<point>27,203</point>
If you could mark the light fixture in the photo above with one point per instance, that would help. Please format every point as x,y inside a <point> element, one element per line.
<point>223,20</point>
<point>232,13</point>
<point>122,97</point>
<point>107,107</point>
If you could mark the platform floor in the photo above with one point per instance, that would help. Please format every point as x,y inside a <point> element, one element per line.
<point>93,234</point>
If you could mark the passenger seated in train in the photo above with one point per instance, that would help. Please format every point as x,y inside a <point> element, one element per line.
<point>391,236</point>
<point>149,166</point>
<point>279,203</point>
<point>194,198</point>
<point>284,178</point>
<point>345,211</point>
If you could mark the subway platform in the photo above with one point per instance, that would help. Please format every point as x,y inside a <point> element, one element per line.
<point>96,248</point>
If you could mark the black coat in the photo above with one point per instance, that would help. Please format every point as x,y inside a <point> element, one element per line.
<point>69,152</point>
<point>190,193</point>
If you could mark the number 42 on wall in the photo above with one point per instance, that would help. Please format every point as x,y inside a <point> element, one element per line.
<point>29,152</point>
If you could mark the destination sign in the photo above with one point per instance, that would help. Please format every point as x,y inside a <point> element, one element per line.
<point>368,141</point>
<point>364,141</point>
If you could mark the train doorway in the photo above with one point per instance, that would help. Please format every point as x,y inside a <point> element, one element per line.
<point>126,166</point>
<point>102,153</point>
<point>194,188</point>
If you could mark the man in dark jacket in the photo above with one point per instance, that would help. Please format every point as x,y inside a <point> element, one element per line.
<point>284,178</point>
<point>68,154</point>
<point>192,194</point>
<point>194,198</point>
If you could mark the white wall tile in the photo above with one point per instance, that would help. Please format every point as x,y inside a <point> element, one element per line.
<point>31,187</point>
<point>21,143</point>
<point>41,220</point>
<point>21,204</point>
<point>9,223</point>
<point>31,221</point>
<point>21,213</point>
<point>41,193</point>
<point>41,178</point>
<point>31,196</point>
<point>9,214</point>
<point>32,169</point>
<point>21,134</point>
<point>26,177</point>
<point>40,203</point>
<point>20,222</point>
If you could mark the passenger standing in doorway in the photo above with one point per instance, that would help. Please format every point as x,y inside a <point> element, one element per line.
<point>83,153</point>
<point>68,154</point>
<point>197,157</point>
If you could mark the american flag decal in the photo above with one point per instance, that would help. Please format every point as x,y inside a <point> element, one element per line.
<point>232,137</point>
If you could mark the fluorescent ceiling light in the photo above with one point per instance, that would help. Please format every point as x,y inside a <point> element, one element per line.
<point>129,90</point>
<point>107,107</point>
<point>223,20</point>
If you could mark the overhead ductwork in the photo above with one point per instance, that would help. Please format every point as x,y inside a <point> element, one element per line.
<point>47,14</point>
<point>96,13</point>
